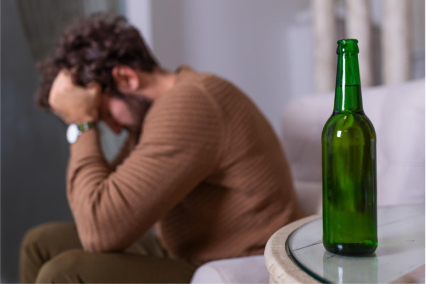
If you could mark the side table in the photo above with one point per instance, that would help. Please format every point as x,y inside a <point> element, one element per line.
<point>295,254</point>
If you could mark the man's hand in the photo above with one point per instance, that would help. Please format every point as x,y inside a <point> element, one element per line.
<point>72,103</point>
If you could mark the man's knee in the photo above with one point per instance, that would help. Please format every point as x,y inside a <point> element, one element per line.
<point>35,236</point>
<point>63,268</point>
<point>39,235</point>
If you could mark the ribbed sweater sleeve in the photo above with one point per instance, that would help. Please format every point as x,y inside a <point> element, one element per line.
<point>178,149</point>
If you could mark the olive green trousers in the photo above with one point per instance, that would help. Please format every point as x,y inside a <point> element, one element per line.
<point>52,253</point>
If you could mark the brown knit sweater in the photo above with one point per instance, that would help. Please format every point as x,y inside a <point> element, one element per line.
<point>208,170</point>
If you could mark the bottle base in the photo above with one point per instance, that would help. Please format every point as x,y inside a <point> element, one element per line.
<point>351,249</point>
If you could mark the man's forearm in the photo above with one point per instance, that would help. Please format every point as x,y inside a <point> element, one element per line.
<point>87,169</point>
<point>106,205</point>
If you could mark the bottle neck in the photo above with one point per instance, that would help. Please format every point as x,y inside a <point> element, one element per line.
<point>348,97</point>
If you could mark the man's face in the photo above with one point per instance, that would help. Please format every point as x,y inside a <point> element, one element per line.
<point>127,108</point>
<point>127,113</point>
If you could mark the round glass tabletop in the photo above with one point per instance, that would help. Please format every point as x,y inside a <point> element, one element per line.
<point>401,250</point>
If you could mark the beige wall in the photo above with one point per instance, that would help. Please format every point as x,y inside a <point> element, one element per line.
<point>264,47</point>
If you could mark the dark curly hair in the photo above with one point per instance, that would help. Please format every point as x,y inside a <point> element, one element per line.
<point>90,49</point>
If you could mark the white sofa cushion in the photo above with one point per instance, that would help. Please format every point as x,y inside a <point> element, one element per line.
<point>251,269</point>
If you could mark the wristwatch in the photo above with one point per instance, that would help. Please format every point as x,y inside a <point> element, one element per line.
<point>75,130</point>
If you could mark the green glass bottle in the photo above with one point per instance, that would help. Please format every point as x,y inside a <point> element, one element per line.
<point>349,164</point>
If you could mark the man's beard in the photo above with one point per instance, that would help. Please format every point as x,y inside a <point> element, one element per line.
<point>138,107</point>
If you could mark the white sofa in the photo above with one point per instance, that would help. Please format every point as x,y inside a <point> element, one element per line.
<point>398,115</point>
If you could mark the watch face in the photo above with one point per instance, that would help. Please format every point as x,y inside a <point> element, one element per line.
<point>72,133</point>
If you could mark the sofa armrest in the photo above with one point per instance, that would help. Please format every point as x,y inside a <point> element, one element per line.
<point>398,115</point>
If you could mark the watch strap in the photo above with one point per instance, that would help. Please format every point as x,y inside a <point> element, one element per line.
<point>84,126</point>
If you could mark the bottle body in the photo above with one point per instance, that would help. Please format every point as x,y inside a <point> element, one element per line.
<point>349,185</point>
<point>349,174</point>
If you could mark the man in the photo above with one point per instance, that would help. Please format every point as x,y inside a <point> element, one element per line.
<point>202,164</point>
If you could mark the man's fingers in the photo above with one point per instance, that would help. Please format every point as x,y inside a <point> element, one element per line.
<point>73,103</point>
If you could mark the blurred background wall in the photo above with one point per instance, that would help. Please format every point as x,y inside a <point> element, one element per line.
<point>34,151</point>
<point>264,47</point>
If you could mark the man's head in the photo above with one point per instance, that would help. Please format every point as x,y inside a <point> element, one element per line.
<point>105,49</point>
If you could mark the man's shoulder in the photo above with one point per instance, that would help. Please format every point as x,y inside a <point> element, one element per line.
<point>205,82</point>
<point>191,94</point>
<point>194,88</point>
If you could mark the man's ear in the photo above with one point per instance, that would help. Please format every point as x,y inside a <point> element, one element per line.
<point>126,79</point>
